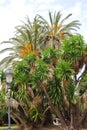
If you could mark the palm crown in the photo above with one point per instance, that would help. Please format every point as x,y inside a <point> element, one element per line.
<point>34,36</point>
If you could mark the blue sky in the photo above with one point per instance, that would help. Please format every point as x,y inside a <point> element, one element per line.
<point>12,12</point>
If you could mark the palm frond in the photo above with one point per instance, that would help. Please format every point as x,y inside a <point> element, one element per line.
<point>65,18</point>
<point>51,19</point>
<point>6,49</point>
<point>17,40</point>
<point>29,35</point>
<point>42,21</point>
<point>71,26</point>
<point>5,42</point>
<point>5,62</point>
<point>57,18</point>
<point>22,33</point>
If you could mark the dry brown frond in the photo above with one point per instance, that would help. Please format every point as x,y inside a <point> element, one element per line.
<point>37,101</point>
<point>30,92</point>
<point>13,103</point>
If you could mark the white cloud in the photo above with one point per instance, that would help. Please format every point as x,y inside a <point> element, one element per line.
<point>76,10</point>
<point>2,1</point>
<point>11,16</point>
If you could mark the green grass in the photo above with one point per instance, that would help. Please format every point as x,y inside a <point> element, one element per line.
<point>6,127</point>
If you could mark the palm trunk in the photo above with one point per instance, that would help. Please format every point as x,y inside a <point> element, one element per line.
<point>72,117</point>
<point>21,121</point>
<point>63,123</point>
<point>54,109</point>
<point>75,117</point>
<point>82,118</point>
<point>15,120</point>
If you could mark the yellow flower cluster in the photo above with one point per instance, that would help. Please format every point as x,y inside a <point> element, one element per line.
<point>62,35</point>
<point>53,34</point>
<point>59,26</point>
<point>28,48</point>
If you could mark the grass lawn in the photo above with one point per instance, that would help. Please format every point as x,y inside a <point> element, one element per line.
<point>6,127</point>
<point>15,128</point>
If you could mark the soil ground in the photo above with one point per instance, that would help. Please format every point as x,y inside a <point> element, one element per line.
<point>56,128</point>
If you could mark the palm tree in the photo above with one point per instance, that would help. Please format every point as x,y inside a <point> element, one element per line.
<point>32,36</point>
<point>27,39</point>
<point>56,29</point>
